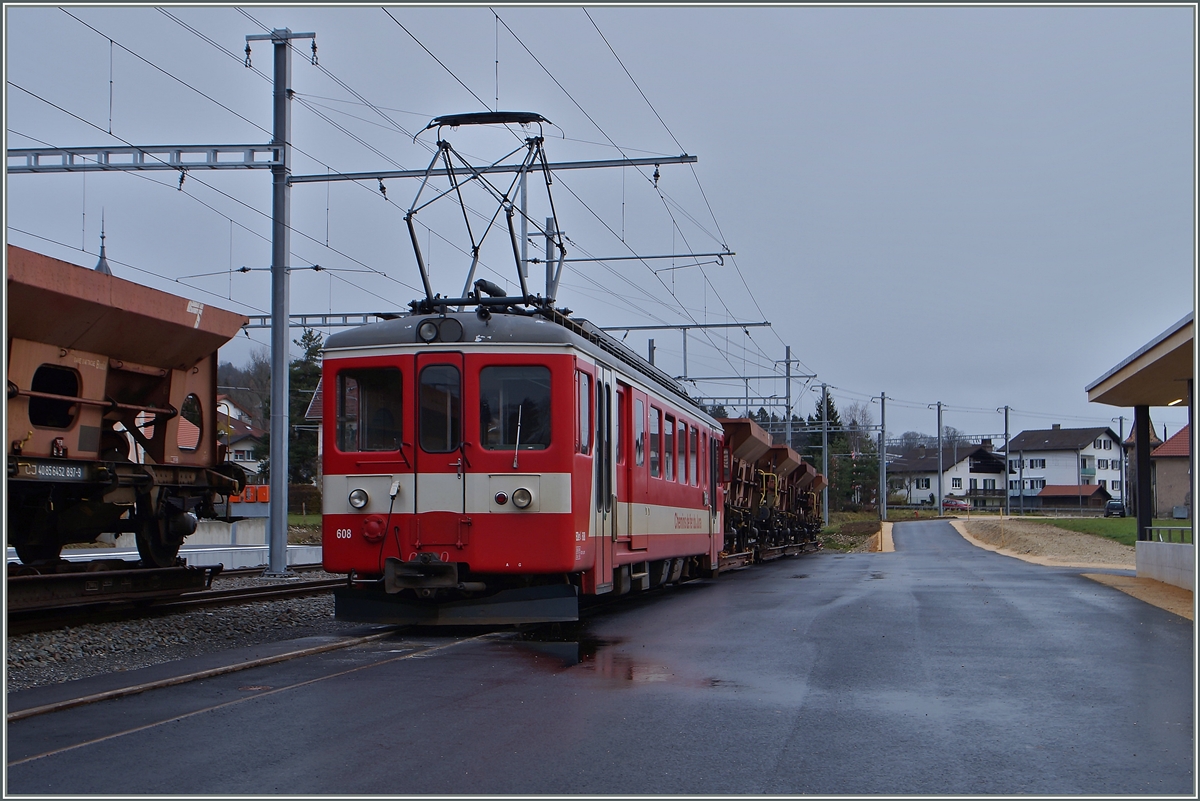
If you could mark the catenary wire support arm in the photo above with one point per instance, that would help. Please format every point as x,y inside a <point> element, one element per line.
<point>495,168</point>
<point>141,157</point>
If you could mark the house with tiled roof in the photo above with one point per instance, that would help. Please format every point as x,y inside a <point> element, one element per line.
<point>971,471</point>
<point>1057,456</point>
<point>1170,476</point>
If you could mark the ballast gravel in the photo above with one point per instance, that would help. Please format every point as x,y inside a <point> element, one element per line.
<point>43,658</point>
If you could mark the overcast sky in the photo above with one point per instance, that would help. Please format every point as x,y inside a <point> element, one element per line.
<point>981,206</point>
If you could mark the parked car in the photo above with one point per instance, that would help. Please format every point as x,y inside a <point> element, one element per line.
<point>956,504</point>
<point>1114,509</point>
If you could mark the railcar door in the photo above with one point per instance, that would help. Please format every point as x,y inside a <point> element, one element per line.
<point>441,461</point>
<point>603,472</point>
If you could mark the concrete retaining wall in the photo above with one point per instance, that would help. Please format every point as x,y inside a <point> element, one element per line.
<point>251,531</point>
<point>1168,562</point>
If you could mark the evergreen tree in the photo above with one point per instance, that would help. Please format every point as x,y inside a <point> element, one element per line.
<point>303,375</point>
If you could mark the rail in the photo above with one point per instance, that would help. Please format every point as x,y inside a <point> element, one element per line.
<point>1155,533</point>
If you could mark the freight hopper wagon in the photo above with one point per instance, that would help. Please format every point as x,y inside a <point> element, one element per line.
<point>495,466</point>
<point>772,500</point>
<point>112,420</point>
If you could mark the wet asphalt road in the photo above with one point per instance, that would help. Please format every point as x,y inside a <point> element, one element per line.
<point>938,669</point>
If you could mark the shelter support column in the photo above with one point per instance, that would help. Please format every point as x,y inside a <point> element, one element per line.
<point>1141,439</point>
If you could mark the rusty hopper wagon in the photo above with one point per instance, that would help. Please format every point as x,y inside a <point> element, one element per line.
<point>112,418</point>
<point>772,507</point>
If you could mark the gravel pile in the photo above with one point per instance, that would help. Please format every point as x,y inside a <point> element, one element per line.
<point>1051,542</point>
<point>35,660</point>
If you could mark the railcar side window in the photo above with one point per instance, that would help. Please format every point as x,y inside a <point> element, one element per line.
<point>583,421</point>
<point>639,433</point>
<point>655,424</point>
<point>51,412</point>
<point>369,403</point>
<point>694,456</point>
<point>683,452</point>
<point>622,400</point>
<point>514,407</point>
<point>441,408</point>
<point>669,449</point>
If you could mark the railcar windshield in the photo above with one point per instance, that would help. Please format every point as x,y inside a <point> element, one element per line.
<point>369,410</point>
<point>514,407</point>
<point>441,408</point>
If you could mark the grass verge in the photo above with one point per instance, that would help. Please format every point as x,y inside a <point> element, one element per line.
<point>1121,529</point>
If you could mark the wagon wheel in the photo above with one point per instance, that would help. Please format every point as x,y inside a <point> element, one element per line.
<point>155,544</point>
<point>29,552</point>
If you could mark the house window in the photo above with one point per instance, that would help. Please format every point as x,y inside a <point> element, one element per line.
<point>1014,465</point>
<point>922,483</point>
<point>974,484</point>
<point>1108,444</point>
<point>956,483</point>
<point>1083,462</point>
<point>1035,464</point>
<point>988,483</point>
<point>1101,464</point>
<point>1103,483</point>
<point>1037,483</point>
<point>1012,485</point>
<point>1099,444</point>
<point>1116,485</point>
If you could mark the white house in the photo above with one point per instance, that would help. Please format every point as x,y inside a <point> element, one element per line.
<point>238,435</point>
<point>970,471</point>
<point>1064,457</point>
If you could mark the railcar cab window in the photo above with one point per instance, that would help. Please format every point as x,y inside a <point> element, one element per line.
<point>368,410</point>
<point>52,412</point>
<point>441,408</point>
<point>655,426</point>
<point>514,407</point>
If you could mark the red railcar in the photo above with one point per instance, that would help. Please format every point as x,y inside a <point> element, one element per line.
<point>482,467</point>
<point>496,467</point>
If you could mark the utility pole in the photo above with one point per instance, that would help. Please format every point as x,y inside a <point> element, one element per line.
<point>883,456</point>
<point>281,138</point>
<point>940,458</point>
<point>825,451</point>
<point>787,383</point>
<point>1007,494</point>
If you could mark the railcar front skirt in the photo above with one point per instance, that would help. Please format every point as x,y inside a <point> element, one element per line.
<point>553,603</point>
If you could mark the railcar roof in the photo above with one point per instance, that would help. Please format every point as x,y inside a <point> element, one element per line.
<point>512,329</point>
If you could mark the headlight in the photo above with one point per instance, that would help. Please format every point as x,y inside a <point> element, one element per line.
<point>427,331</point>
<point>358,498</point>
<point>521,498</point>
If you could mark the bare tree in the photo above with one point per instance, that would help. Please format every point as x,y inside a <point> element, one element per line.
<point>858,420</point>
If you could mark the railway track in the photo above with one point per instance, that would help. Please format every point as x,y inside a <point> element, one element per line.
<point>57,615</point>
